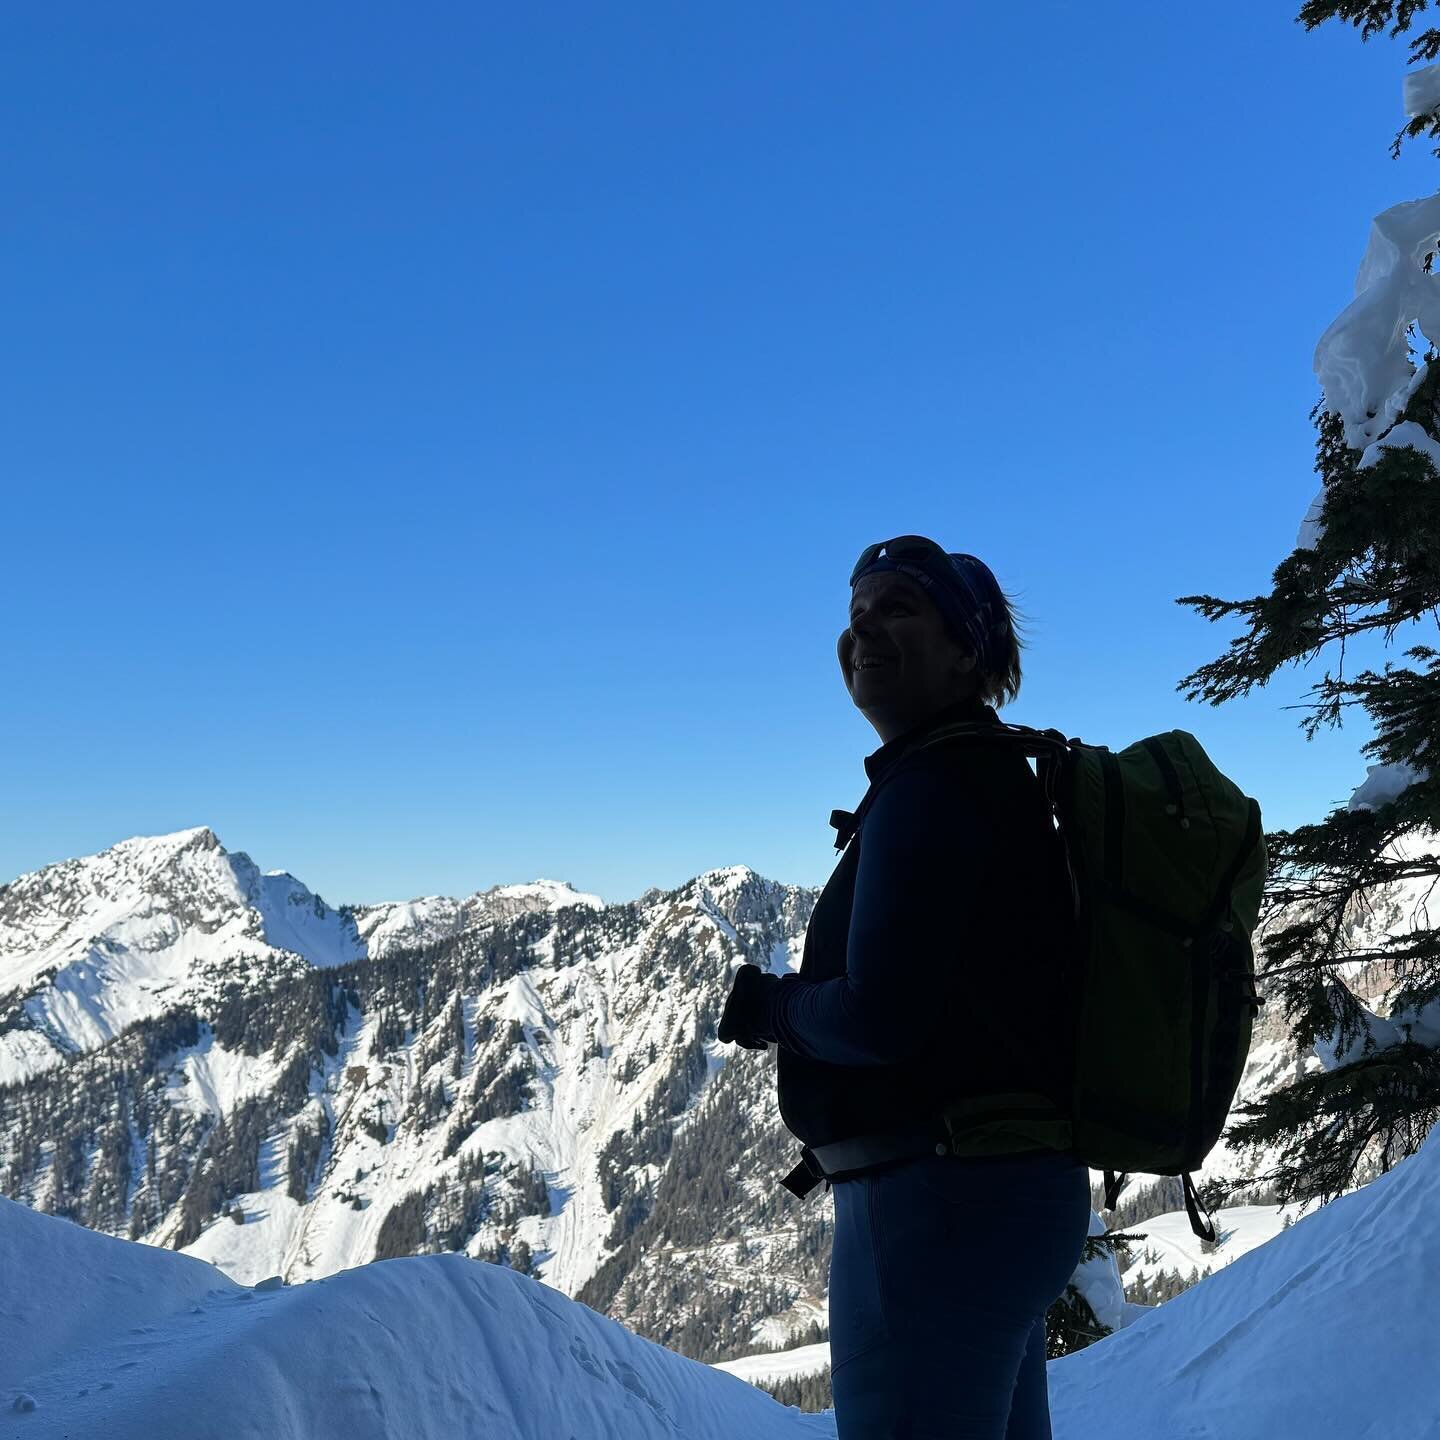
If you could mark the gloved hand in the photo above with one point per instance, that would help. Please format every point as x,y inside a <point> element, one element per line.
<point>746,1019</point>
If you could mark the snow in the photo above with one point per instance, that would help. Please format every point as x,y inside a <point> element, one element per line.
<point>403,924</point>
<point>210,1079</point>
<point>1322,1328</point>
<point>1406,435</point>
<point>786,955</point>
<point>110,1338</point>
<point>1098,1281</point>
<point>399,925</point>
<point>1311,528</point>
<point>294,919</point>
<point>1381,1032</point>
<point>68,1289</point>
<point>545,895</point>
<point>1239,1229</point>
<point>592,1025</point>
<point>249,1252</point>
<point>1422,91</point>
<point>1363,360</point>
<point>793,1364</point>
<point>1382,784</point>
<point>98,943</point>
<point>113,938</point>
<point>1326,1329</point>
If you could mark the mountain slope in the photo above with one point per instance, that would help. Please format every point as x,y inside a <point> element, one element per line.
<point>90,946</point>
<point>517,1090</point>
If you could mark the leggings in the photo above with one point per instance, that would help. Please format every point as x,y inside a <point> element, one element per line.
<point>941,1274</point>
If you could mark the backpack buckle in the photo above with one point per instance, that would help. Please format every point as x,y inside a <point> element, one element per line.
<point>844,822</point>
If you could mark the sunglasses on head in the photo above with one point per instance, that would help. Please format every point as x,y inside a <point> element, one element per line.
<point>902,547</point>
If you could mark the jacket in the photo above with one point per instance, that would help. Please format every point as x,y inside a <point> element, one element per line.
<point>933,966</point>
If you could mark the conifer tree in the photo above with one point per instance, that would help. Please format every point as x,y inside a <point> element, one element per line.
<point>1070,1323</point>
<point>1365,574</point>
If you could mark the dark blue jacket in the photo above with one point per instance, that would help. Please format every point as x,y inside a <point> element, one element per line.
<point>932,967</point>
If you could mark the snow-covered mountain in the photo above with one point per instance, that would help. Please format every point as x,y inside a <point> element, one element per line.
<point>525,1075</point>
<point>396,925</point>
<point>90,946</point>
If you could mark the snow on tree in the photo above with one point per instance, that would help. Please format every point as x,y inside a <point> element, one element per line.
<point>1366,564</point>
<point>1093,1305</point>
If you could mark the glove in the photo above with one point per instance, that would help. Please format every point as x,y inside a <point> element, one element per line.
<point>746,1019</point>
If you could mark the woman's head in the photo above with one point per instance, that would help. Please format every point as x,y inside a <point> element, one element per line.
<point>926,629</point>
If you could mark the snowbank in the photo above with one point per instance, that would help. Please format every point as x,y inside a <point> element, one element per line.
<point>1098,1280</point>
<point>1239,1229</point>
<point>793,1364</point>
<point>1329,1329</point>
<point>102,1337</point>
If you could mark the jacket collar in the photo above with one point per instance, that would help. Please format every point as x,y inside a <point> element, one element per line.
<point>975,709</point>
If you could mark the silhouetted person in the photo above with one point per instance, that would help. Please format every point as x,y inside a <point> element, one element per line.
<point>932,973</point>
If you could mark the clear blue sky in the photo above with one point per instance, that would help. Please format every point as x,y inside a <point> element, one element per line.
<point>435,438</point>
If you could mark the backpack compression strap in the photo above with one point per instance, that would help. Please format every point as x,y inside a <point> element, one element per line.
<point>1205,1228</point>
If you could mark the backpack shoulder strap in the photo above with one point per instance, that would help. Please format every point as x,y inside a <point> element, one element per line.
<point>1048,748</point>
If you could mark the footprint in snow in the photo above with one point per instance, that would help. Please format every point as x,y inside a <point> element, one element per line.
<point>580,1353</point>
<point>532,1294</point>
<point>629,1377</point>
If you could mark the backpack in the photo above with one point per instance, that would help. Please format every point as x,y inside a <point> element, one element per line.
<point>1167,861</point>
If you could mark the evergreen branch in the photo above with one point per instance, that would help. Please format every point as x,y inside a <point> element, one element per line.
<point>1395,952</point>
<point>1375,565</point>
<point>1334,1124</point>
<point>1416,126</point>
<point>1369,17</point>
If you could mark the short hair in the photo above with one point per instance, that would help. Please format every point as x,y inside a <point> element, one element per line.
<point>1000,680</point>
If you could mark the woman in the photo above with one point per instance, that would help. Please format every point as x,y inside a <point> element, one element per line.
<point>932,974</point>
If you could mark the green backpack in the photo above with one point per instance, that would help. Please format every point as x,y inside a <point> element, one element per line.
<point>1167,862</point>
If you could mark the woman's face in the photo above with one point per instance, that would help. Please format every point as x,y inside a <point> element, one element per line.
<point>899,662</point>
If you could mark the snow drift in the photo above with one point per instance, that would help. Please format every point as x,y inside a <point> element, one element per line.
<point>100,1336</point>
<point>1328,1329</point>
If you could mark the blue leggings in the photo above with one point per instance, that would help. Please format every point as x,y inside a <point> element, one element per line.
<point>941,1274</point>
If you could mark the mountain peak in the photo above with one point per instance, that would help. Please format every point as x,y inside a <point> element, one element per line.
<point>196,837</point>
<point>551,894</point>
<point>91,945</point>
